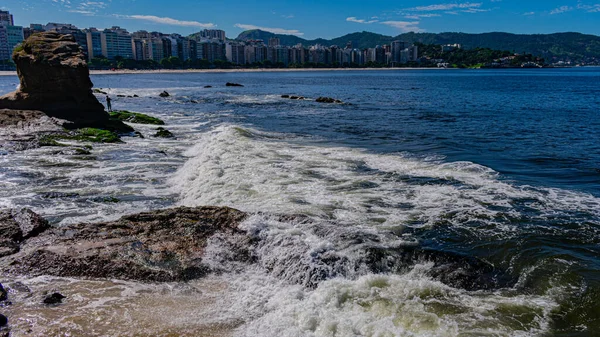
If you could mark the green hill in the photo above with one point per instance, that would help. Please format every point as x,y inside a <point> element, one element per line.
<point>575,46</point>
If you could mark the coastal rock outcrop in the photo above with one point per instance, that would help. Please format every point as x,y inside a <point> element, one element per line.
<point>163,246</point>
<point>328,100</point>
<point>54,78</point>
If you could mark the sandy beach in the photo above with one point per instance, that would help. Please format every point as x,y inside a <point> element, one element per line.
<point>263,70</point>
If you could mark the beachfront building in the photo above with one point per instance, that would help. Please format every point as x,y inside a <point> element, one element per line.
<point>6,18</point>
<point>234,52</point>
<point>116,42</point>
<point>10,35</point>
<point>94,43</point>
<point>211,34</point>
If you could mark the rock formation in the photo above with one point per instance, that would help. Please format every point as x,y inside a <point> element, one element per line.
<point>54,78</point>
<point>163,246</point>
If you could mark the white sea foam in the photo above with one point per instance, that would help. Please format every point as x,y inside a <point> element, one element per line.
<point>271,172</point>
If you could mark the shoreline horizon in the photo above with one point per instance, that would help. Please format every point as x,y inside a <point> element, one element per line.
<point>260,70</point>
<point>266,70</point>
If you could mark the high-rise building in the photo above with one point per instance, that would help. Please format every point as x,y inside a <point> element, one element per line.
<point>6,18</point>
<point>116,42</point>
<point>235,53</point>
<point>212,34</point>
<point>274,42</point>
<point>396,50</point>
<point>94,43</point>
<point>10,36</point>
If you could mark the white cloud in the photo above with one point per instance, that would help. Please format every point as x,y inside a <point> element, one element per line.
<point>354,19</point>
<point>404,26</point>
<point>446,7</point>
<point>84,12</point>
<point>529,13</point>
<point>170,21</point>
<point>561,9</point>
<point>420,16</point>
<point>589,8</point>
<point>272,30</point>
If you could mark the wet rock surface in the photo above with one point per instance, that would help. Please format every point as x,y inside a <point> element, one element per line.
<point>18,226</point>
<point>54,78</point>
<point>3,293</point>
<point>328,100</point>
<point>230,84</point>
<point>163,133</point>
<point>170,246</point>
<point>54,298</point>
<point>166,245</point>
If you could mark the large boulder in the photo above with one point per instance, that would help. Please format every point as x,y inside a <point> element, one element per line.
<point>55,79</point>
<point>163,246</point>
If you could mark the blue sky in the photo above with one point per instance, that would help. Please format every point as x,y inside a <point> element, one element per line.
<point>311,19</point>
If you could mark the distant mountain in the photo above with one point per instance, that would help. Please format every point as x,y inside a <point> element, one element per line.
<point>576,46</point>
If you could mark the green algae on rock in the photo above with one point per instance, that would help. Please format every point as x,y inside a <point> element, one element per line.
<point>135,117</point>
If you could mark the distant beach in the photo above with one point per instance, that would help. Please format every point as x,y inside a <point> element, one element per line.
<point>182,71</point>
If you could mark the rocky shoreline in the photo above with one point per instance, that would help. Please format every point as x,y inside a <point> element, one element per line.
<point>159,246</point>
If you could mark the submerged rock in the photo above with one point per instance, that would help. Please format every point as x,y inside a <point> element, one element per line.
<point>285,96</point>
<point>207,86</point>
<point>229,84</point>
<point>166,245</point>
<point>327,100</point>
<point>164,94</point>
<point>54,78</point>
<point>55,298</point>
<point>163,133</point>
<point>59,195</point>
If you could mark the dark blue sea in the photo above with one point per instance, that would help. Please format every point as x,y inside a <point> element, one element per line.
<point>441,202</point>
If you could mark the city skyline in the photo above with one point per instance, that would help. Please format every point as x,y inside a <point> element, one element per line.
<point>315,19</point>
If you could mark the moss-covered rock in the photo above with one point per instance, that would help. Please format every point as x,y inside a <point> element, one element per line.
<point>135,117</point>
<point>163,133</point>
<point>91,135</point>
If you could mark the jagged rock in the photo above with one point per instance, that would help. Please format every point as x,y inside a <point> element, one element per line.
<point>163,133</point>
<point>55,298</point>
<point>18,226</point>
<point>3,294</point>
<point>21,225</point>
<point>135,96</point>
<point>54,78</point>
<point>285,96</point>
<point>164,94</point>
<point>99,91</point>
<point>229,84</point>
<point>164,246</point>
<point>3,321</point>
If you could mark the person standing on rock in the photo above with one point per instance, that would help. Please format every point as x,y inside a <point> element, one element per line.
<point>108,104</point>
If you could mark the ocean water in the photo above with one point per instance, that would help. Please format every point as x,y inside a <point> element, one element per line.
<point>433,203</point>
